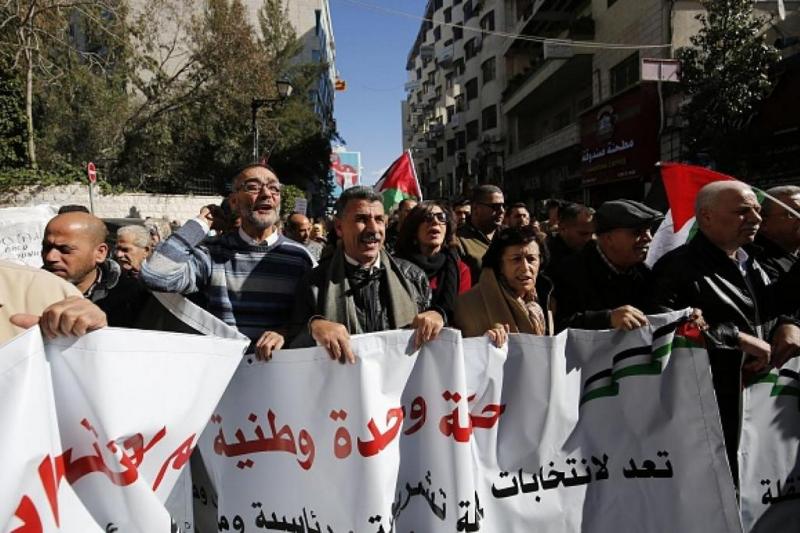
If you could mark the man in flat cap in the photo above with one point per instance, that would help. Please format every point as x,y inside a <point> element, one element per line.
<point>606,284</point>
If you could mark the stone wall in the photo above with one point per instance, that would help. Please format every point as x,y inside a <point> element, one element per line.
<point>133,205</point>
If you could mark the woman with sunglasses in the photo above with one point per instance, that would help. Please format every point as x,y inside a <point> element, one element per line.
<point>511,296</point>
<point>427,239</point>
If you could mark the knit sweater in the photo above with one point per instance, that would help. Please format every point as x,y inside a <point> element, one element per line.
<point>249,287</point>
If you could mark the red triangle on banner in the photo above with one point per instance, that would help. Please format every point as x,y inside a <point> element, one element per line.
<point>682,183</point>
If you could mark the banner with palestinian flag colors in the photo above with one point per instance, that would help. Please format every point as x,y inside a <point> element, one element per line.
<point>681,183</point>
<point>399,182</point>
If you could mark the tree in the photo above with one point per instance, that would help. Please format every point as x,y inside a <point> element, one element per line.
<point>726,76</point>
<point>12,119</point>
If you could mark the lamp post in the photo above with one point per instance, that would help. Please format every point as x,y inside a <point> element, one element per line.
<point>284,89</point>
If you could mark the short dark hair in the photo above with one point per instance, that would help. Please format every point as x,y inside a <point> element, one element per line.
<point>460,202</point>
<point>407,244</point>
<point>511,237</point>
<point>359,192</point>
<point>519,205</point>
<point>551,203</point>
<point>570,211</point>
<point>480,192</point>
<point>405,201</point>
<point>777,192</point>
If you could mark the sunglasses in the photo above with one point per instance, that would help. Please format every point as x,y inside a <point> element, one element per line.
<point>439,217</point>
<point>497,208</point>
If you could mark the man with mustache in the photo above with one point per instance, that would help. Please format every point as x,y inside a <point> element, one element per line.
<point>133,246</point>
<point>713,272</point>
<point>249,277</point>
<point>360,288</point>
<point>605,284</point>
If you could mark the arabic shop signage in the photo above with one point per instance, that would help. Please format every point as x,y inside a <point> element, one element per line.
<point>619,138</point>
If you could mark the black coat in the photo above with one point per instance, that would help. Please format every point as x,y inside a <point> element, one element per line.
<point>701,275</point>
<point>587,290</point>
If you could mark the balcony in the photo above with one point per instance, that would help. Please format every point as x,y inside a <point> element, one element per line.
<point>444,57</point>
<point>555,142</point>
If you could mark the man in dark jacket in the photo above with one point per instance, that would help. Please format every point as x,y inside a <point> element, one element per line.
<point>74,248</point>
<point>776,249</point>
<point>486,217</point>
<point>713,272</point>
<point>360,288</point>
<point>606,284</point>
<point>575,229</point>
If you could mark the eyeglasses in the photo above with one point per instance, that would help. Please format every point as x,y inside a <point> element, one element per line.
<point>439,217</point>
<point>255,186</point>
<point>497,208</point>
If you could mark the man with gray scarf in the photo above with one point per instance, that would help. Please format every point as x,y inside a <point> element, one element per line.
<point>360,288</point>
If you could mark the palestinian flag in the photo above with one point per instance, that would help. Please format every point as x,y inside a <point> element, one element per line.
<point>399,182</point>
<point>682,183</point>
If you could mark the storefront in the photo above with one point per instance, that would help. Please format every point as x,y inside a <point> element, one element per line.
<point>619,145</point>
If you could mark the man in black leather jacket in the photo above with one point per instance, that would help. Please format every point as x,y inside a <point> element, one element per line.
<point>714,273</point>
<point>359,288</point>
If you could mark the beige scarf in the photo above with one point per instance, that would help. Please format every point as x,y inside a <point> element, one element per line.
<point>505,308</point>
<point>339,307</point>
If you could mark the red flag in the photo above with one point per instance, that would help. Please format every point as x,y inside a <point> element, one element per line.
<point>682,183</point>
<point>399,182</point>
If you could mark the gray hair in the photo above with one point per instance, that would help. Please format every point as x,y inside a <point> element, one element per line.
<point>781,192</point>
<point>140,234</point>
<point>710,192</point>
<point>359,192</point>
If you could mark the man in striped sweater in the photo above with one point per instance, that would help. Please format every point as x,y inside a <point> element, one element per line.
<point>248,277</point>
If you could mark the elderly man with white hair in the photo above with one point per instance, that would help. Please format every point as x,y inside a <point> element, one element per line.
<point>714,273</point>
<point>132,248</point>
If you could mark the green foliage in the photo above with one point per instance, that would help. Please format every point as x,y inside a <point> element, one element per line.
<point>289,193</point>
<point>12,118</point>
<point>726,75</point>
<point>15,179</point>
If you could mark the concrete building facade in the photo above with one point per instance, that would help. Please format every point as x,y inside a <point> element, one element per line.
<point>576,121</point>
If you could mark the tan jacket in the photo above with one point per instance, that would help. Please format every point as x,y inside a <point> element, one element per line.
<point>25,289</point>
<point>487,304</point>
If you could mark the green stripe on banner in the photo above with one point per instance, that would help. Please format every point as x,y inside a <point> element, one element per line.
<point>784,390</point>
<point>649,369</point>
<point>602,392</point>
<point>767,377</point>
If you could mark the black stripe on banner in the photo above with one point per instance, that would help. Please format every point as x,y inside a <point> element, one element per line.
<point>789,374</point>
<point>632,352</point>
<point>600,375</point>
<point>665,330</point>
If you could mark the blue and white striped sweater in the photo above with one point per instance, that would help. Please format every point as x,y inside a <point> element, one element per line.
<point>250,287</point>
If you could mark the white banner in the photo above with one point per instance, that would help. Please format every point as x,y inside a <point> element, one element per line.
<point>128,406</point>
<point>595,431</point>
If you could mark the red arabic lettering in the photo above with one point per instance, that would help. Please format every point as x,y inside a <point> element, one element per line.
<point>27,513</point>
<point>381,440</point>
<point>418,413</point>
<point>135,444</point>
<point>342,441</point>
<point>449,424</point>
<point>178,458</point>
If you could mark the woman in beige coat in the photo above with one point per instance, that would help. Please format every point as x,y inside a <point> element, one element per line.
<point>511,296</point>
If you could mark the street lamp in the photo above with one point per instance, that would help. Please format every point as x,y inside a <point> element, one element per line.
<point>284,89</point>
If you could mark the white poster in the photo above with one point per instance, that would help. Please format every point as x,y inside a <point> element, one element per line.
<point>21,232</point>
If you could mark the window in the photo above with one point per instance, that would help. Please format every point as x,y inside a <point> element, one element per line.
<point>488,70</point>
<point>432,78</point>
<point>448,15</point>
<point>451,147</point>
<point>437,33</point>
<point>472,89</point>
<point>461,140</point>
<point>451,110</point>
<point>487,22</point>
<point>468,11</point>
<point>489,117</point>
<point>470,50</point>
<point>458,34</point>
<point>458,66</point>
<point>419,73</point>
<point>625,73</point>
<point>439,91</point>
<point>439,154</point>
<point>448,80</point>
<point>473,130</point>
<point>437,4</point>
<point>460,103</point>
<point>456,2</point>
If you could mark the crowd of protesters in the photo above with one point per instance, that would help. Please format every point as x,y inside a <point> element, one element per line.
<point>482,265</point>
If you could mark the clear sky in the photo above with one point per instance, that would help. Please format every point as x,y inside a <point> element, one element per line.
<point>371,52</point>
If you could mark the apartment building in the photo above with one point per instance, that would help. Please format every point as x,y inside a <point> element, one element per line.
<point>575,122</point>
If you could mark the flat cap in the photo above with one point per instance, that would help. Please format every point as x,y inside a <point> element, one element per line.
<point>624,214</point>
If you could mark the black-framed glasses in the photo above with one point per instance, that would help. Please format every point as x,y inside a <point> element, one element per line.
<point>439,217</point>
<point>255,186</point>
<point>497,208</point>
